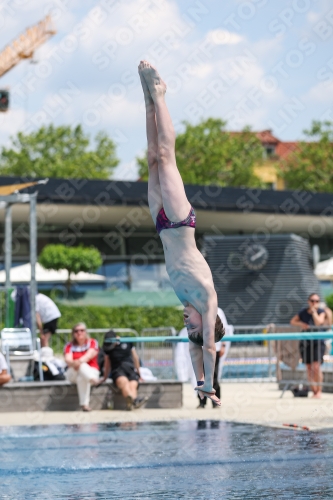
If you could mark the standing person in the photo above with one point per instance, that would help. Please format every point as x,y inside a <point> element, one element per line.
<point>312,351</point>
<point>47,315</point>
<point>122,363</point>
<point>175,219</point>
<point>81,358</point>
<point>4,375</point>
<point>183,363</point>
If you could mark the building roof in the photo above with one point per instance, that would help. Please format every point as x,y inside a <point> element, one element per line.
<point>266,137</point>
<point>283,149</point>
<point>205,198</point>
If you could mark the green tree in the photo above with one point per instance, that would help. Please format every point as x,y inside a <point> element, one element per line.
<point>207,154</point>
<point>310,166</point>
<point>73,259</point>
<point>59,152</point>
<point>329,300</point>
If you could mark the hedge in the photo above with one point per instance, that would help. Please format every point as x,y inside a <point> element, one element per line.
<point>120,317</point>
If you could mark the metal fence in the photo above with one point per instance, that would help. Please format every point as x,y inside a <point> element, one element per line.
<point>251,357</point>
<point>158,356</point>
<point>255,353</point>
<point>64,335</point>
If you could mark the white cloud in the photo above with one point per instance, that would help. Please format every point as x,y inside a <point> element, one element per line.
<point>11,122</point>
<point>202,70</point>
<point>266,49</point>
<point>224,37</point>
<point>133,24</point>
<point>322,92</point>
<point>313,16</point>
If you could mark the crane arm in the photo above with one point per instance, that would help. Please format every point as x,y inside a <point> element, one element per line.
<point>24,46</point>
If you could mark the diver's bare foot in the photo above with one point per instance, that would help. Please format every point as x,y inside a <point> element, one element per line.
<point>148,99</point>
<point>317,395</point>
<point>156,85</point>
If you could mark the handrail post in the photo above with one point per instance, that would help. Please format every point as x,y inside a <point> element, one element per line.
<point>33,260</point>
<point>8,257</point>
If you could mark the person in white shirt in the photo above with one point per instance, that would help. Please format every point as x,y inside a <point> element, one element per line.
<point>4,376</point>
<point>47,315</point>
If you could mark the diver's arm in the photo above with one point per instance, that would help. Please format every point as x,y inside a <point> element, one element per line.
<point>208,333</point>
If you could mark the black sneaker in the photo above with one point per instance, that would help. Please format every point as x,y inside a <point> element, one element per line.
<point>138,402</point>
<point>129,403</point>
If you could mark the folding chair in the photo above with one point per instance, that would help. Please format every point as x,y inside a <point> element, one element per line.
<point>17,345</point>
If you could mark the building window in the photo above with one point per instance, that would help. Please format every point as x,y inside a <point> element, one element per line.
<point>270,151</point>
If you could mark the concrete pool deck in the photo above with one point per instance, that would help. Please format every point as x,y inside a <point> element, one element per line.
<point>253,403</point>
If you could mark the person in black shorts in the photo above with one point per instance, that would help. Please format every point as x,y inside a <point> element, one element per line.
<point>312,351</point>
<point>122,364</point>
<point>47,315</point>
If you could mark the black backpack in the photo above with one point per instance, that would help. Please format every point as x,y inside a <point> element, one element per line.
<point>47,374</point>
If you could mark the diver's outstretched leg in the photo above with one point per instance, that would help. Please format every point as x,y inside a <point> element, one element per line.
<point>175,202</point>
<point>154,189</point>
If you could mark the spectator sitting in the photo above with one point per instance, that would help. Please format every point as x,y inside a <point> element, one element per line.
<point>81,359</point>
<point>122,364</point>
<point>4,376</point>
<point>47,315</point>
<point>312,351</point>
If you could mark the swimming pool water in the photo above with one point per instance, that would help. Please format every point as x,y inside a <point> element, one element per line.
<point>171,460</point>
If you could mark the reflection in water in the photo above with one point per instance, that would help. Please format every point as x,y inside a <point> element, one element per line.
<point>213,424</point>
<point>202,424</point>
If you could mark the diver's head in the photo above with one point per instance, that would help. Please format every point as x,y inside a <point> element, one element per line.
<point>193,323</point>
<point>192,320</point>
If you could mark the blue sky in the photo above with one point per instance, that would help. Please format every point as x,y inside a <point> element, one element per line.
<point>262,63</point>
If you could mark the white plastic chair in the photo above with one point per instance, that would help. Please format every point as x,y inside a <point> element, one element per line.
<point>17,345</point>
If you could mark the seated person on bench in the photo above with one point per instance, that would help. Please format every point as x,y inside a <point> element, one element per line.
<point>4,376</point>
<point>121,363</point>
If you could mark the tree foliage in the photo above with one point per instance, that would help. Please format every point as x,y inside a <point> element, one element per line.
<point>329,300</point>
<point>59,152</point>
<point>310,166</point>
<point>207,154</point>
<point>73,259</point>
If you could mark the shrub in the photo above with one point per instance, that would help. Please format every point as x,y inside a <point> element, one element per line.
<point>120,317</point>
<point>329,301</point>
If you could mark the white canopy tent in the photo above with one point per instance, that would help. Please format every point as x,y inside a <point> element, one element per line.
<point>22,274</point>
<point>324,270</point>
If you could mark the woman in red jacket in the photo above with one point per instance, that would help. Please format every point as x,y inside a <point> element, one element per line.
<point>81,358</point>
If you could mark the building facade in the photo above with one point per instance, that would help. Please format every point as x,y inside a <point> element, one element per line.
<point>114,217</point>
<point>274,151</point>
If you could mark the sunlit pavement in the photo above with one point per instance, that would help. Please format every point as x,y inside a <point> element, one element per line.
<point>242,402</point>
